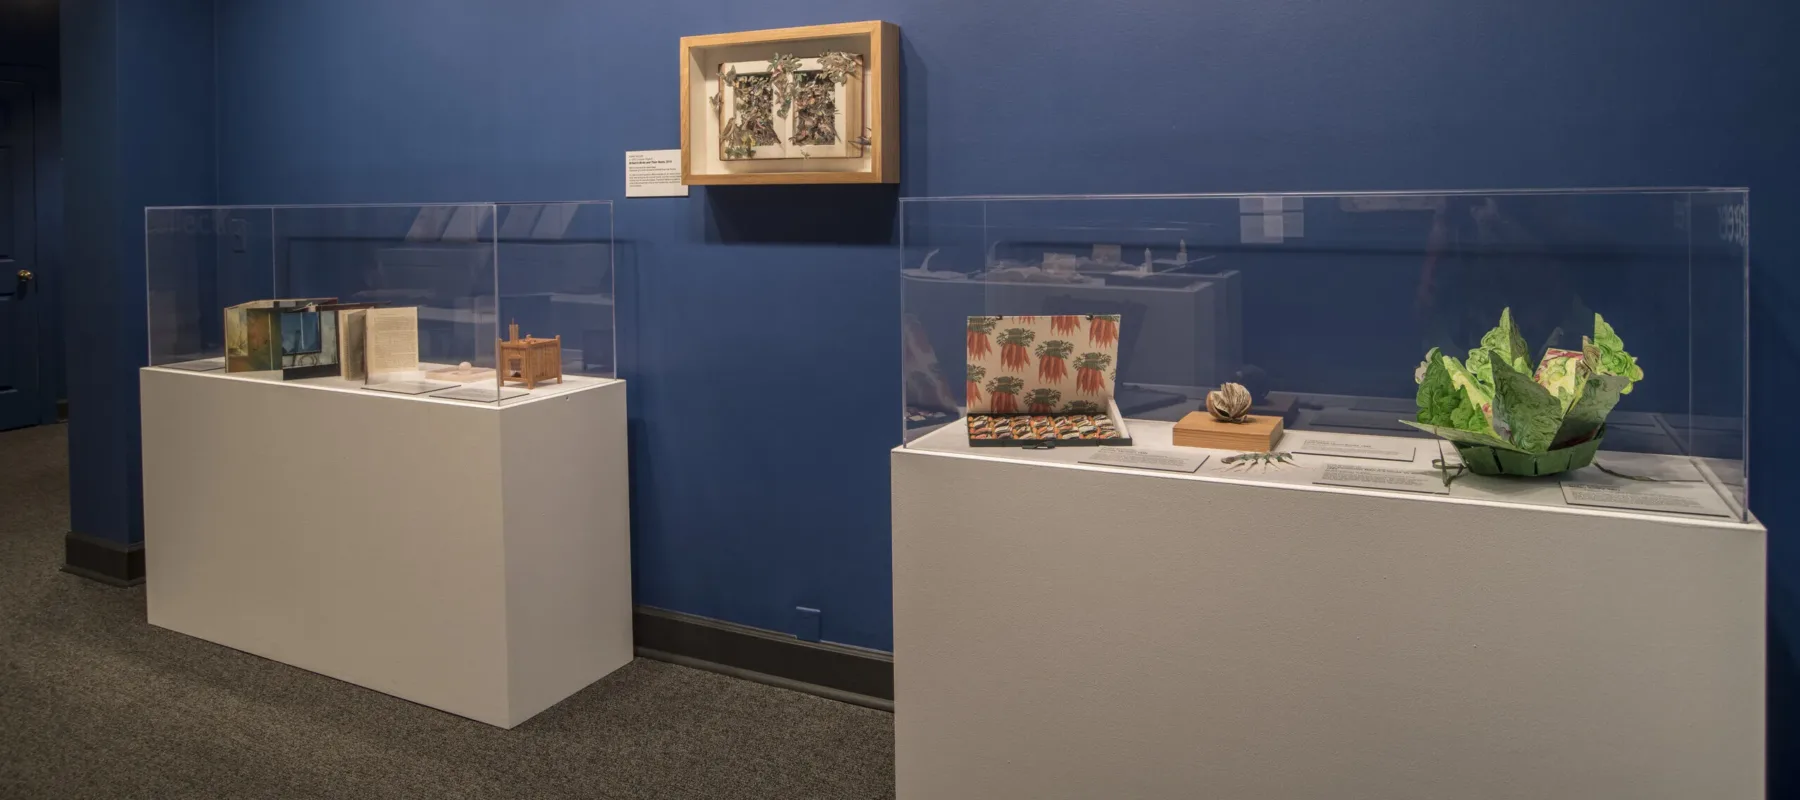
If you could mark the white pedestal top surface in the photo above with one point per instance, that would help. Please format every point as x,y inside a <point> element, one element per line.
<point>1545,492</point>
<point>570,383</point>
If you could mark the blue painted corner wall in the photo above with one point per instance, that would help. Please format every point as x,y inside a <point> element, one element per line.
<point>731,299</point>
<point>137,130</point>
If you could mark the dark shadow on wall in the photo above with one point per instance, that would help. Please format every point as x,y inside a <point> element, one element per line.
<point>1783,722</point>
<point>827,214</point>
<point>809,214</point>
<point>627,255</point>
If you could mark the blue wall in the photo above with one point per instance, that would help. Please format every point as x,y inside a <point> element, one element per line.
<point>389,100</point>
<point>339,101</point>
<point>137,106</point>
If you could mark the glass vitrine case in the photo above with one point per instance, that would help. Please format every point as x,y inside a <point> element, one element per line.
<point>472,302</point>
<point>1578,348</point>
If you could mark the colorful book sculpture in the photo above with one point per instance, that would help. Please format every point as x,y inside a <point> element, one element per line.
<point>1037,380</point>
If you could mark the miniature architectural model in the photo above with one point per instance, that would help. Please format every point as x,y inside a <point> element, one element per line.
<point>528,361</point>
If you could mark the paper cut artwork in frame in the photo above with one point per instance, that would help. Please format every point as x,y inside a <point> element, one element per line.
<point>790,107</point>
<point>816,104</point>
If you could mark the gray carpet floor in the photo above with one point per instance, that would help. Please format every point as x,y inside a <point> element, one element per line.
<point>96,703</point>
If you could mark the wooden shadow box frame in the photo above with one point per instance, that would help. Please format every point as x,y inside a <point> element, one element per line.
<point>703,57</point>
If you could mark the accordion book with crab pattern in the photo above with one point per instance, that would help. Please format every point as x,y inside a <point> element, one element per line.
<point>1042,365</point>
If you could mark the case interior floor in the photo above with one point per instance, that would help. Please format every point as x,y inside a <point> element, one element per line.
<point>97,703</point>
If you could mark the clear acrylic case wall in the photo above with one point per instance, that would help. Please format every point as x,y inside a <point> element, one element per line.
<point>411,300</point>
<point>1325,305</point>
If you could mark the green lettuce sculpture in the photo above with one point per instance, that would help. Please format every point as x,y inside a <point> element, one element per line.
<point>1508,417</point>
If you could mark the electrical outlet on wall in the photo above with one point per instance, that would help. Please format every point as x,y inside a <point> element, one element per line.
<point>806,624</point>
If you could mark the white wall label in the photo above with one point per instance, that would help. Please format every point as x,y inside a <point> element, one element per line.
<point>1398,480</point>
<point>1384,451</point>
<point>654,173</point>
<point>1165,460</point>
<point>1678,498</point>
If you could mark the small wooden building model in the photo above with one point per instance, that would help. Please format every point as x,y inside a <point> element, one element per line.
<point>528,361</point>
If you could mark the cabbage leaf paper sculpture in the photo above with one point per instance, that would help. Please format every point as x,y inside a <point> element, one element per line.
<point>1510,417</point>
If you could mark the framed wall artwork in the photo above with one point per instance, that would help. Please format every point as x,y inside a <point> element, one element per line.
<point>816,104</point>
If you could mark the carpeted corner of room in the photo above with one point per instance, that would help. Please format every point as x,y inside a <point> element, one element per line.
<point>99,704</point>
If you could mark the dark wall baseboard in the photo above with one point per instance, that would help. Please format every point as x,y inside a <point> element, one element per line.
<point>104,561</point>
<point>840,672</point>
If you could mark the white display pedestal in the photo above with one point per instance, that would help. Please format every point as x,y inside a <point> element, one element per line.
<point>1071,631</point>
<point>467,556</point>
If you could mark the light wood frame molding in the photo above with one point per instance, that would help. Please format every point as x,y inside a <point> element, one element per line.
<point>881,83</point>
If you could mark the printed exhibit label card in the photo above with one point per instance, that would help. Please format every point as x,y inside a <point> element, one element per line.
<point>654,173</point>
<point>1676,498</point>
<point>1368,448</point>
<point>1164,460</point>
<point>1398,480</point>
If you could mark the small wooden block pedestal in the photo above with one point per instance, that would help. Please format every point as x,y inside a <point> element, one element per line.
<point>1199,429</point>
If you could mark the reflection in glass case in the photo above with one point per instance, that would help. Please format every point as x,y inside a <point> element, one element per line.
<point>1561,347</point>
<point>474,302</point>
